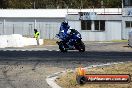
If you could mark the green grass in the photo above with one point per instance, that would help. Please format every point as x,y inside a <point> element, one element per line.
<point>119,41</point>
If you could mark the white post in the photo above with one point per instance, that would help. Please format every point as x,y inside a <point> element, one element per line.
<point>4,27</point>
<point>122,7</point>
<point>34,4</point>
<point>122,4</point>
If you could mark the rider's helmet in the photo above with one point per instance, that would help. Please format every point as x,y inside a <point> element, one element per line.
<point>65,23</point>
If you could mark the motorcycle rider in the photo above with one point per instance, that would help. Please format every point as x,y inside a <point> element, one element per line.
<point>70,38</point>
<point>64,31</point>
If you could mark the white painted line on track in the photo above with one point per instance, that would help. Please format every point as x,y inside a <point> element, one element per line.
<point>24,50</point>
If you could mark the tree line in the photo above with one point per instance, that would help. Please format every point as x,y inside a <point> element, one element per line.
<point>45,4</point>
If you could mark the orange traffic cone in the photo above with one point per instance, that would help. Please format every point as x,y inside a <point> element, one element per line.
<point>81,71</point>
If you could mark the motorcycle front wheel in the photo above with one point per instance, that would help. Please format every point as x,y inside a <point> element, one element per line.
<point>62,48</point>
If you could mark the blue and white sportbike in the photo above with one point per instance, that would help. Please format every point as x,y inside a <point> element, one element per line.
<point>73,41</point>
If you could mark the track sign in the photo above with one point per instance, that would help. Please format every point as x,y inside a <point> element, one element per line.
<point>87,15</point>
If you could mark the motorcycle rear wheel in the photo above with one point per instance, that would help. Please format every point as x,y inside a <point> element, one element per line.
<point>81,47</point>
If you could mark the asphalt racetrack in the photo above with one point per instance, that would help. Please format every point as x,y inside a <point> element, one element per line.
<point>28,69</point>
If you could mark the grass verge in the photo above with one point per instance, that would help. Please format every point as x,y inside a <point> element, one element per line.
<point>119,41</point>
<point>49,42</point>
<point>68,80</point>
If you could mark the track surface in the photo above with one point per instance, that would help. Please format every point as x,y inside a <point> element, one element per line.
<point>28,69</point>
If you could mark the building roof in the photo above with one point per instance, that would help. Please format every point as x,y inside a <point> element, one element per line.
<point>53,13</point>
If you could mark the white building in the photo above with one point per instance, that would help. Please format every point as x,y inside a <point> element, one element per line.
<point>23,21</point>
<point>126,18</point>
<point>93,24</point>
<point>97,24</point>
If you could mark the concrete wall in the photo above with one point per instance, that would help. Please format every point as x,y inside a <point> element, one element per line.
<point>112,31</point>
<point>16,40</point>
<point>93,36</point>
